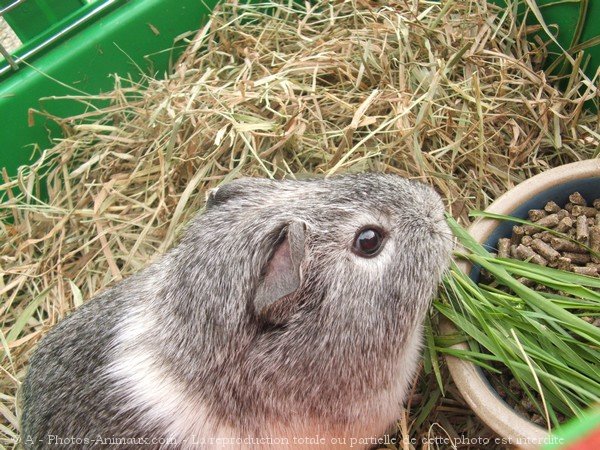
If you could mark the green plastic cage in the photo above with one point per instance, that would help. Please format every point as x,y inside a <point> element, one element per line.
<point>71,47</point>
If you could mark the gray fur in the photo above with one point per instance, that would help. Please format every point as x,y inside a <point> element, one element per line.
<point>324,346</point>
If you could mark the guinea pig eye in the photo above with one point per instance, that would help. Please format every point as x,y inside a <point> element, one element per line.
<point>367,242</point>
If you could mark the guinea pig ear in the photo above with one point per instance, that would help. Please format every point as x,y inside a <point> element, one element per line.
<point>274,301</point>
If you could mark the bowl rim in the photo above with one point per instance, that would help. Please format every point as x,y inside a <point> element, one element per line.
<point>468,377</point>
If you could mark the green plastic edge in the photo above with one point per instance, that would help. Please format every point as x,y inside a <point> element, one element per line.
<point>121,42</point>
<point>575,430</point>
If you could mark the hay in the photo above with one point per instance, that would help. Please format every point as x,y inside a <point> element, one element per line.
<point>450,93</point>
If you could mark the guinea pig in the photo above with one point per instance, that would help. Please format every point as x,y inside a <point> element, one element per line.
<point>288,316</point>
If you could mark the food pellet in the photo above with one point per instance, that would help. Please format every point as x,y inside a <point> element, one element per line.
<point>589,271</point>
<point>577,199</point>
<point>545,250</point>
<point>577,258</point>
<point>564,225</point>
<point>549,221</point>
<point>595,243</point>
<point>564,245</point>
<point>552,207</point>
<point>536,214</point>
<point>518,233</point>
<point>587,211</point>
<point>582,230</point>
<point>504,248</point>
<point>526,253</point>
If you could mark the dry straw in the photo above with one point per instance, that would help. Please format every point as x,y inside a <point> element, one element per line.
<point>447,92</point>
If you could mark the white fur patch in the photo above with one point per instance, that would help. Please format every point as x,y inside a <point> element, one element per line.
<point>152,392</point>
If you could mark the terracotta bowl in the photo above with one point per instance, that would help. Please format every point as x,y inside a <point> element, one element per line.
<point>555,184</point>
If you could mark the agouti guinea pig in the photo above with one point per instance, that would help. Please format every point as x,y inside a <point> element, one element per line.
<point>289,310</point>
